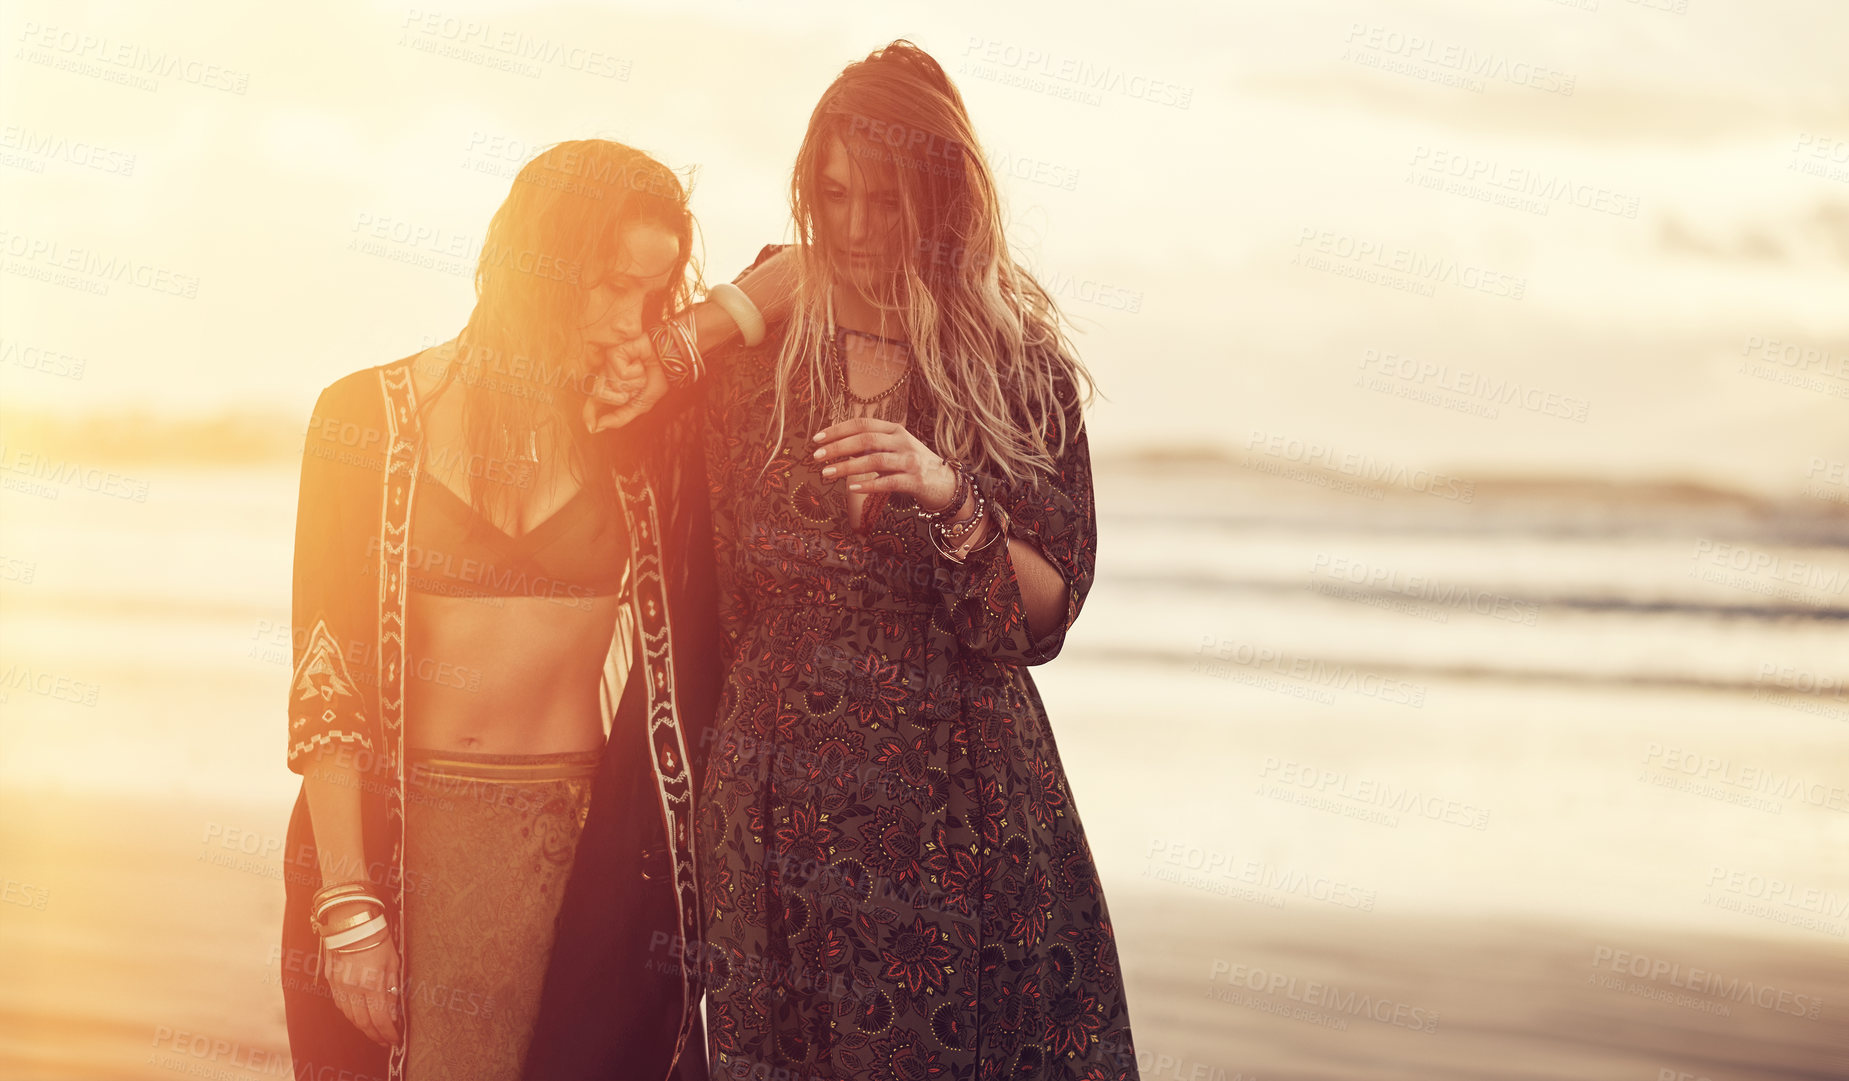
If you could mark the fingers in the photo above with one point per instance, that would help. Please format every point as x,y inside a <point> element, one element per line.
<point>890,482</point>
<point>654,386</point>
<point>856,425</point>
<point>338,970</point>
<point>601,418</point>
<point>352,1002</point>
<point>861,442</point>
<point>627,359</point>
<point>613,405</point>
<point>880,462</point>
<point>615,418</point>
<point>358,986</point>
<point>607,407</point>
<point>615,391</point>
<point>379,1005</point>
<point>390,994</point>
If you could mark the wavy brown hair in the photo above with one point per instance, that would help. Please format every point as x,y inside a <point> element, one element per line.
<point>520,359</point>
<point>988,341</point>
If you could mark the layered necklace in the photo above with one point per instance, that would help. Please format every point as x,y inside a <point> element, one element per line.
<point>853,404</point>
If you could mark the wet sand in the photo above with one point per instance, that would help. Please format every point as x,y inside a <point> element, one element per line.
<point>153,955</point>
<point>1506,1000</point>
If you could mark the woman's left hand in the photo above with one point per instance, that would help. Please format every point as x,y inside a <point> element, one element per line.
<point>881,456</point>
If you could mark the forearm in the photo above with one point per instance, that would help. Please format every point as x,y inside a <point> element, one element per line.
<point>769,285</point>
<point>1012,592</point>
<point>333,791</point>
<point>1043,588</point>
<point>713,326</point>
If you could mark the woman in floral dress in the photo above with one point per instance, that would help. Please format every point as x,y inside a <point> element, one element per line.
<point>895,880</point>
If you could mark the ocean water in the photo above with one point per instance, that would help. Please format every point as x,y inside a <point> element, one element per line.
<point>146,644</point>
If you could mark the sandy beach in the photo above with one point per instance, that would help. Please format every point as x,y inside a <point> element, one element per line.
<point>154,958</point>
<point>1423,840</point>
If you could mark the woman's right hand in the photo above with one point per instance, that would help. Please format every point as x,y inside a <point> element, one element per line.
<point>365,987</point>
<point>630,384</point>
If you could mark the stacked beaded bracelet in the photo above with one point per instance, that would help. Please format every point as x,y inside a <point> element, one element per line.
<point>963,551</point>
<point>959,491</point>
<point>957,532</point>
<point>357,932</point>
<point>952,539</point>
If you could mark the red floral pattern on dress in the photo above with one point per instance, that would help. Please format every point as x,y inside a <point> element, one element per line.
<point>896,881</point>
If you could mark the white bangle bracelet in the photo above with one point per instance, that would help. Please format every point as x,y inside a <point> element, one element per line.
<point>364,930</point>
<point>733,301</point>
<point>320,913</point>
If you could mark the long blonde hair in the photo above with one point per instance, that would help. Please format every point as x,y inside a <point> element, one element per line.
<point>548,244</point>
<point>987,339</point>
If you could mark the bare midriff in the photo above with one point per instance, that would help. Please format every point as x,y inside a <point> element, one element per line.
<point>507,675</point>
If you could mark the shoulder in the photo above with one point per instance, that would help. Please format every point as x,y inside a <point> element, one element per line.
<point>364,391</point>
<point>355,404</point>
<point>351,389</point>
<point>764,253</point>
<point>1066,427</point>
<point>1072,384</point>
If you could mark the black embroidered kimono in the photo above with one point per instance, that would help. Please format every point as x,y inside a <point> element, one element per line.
<point>621,997</point>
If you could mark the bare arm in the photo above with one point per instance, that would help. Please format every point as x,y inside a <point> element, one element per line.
<point>359,981</point>
<point>1043,590</point>
<point>770,285</point>
<point>334,809</point>
<point>327,720</point>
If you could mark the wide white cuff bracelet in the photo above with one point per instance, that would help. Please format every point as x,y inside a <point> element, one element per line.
<point>733,301</point>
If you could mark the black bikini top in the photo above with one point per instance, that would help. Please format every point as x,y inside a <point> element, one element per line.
<point>576,552</point>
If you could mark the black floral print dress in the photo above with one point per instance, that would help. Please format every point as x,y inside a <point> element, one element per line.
<point>894,877</point>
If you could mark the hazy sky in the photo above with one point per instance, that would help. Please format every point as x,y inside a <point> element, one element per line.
<point>1526,236</point>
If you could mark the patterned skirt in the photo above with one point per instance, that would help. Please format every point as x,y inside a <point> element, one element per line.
<point>490,840</point>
